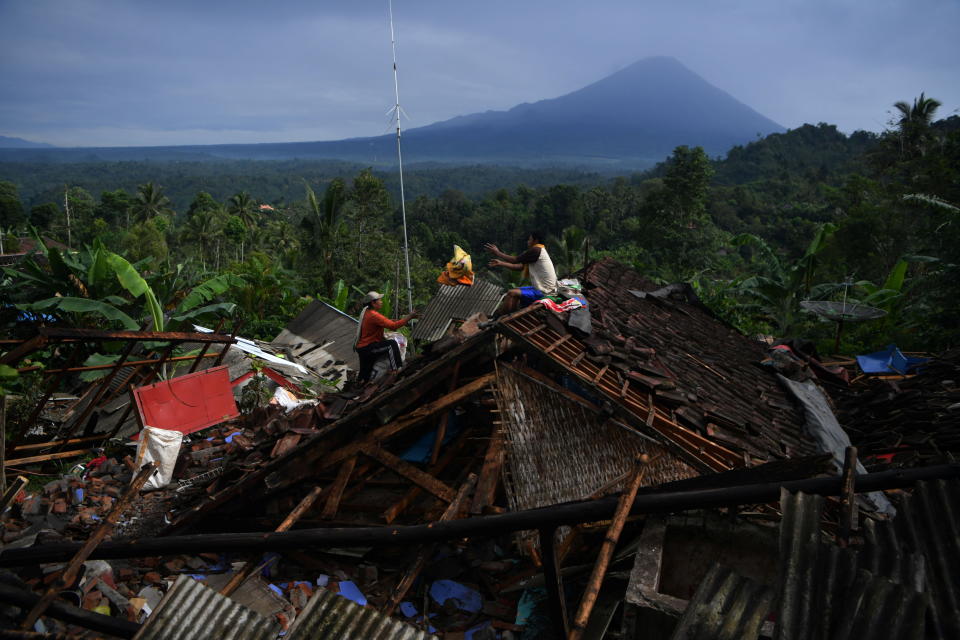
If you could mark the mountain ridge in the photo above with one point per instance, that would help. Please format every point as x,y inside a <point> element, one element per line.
<point>632,118</point>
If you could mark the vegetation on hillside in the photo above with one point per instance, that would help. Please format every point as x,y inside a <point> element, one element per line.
<point>783,219</point>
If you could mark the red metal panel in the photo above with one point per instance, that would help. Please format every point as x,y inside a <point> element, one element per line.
<point>188,403</point>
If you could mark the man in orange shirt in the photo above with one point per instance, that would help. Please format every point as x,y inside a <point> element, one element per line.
<point>370,344</point>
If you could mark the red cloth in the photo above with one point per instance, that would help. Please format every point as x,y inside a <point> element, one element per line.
<point>374,323</point>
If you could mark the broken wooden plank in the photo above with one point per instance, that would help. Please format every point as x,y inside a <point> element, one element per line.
<point>315,461</point>
<point>288,522</point>
<point>442,427</point>
<point>11,492</point>
<point>452,512</point>
<point>452,451</point>
<point>408,471</point>
<point>72,570</point>
<point>606,551</point>
<point>17,462</point>
<point>553,581</point>
<point>490,472</point>
<point>336,489</point>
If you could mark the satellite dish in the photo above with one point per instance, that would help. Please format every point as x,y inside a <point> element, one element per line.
<point>842,311</point>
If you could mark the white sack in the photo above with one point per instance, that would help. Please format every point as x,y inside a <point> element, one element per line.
<point>158,445</point>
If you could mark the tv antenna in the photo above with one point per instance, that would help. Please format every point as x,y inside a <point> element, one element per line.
<point>842,311</point>
<point>397,112</point>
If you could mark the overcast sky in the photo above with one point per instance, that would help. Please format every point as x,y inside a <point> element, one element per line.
<point>168,72</point>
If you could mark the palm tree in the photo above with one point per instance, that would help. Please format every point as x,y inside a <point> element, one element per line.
<point>203,228</point>
<point>243,206</point>
<point>571,250</point>
<point>150,202</point>
<point>914,122</point>
<point>324,225</point>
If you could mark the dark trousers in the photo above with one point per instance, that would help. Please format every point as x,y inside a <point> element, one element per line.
<point>372,352</point>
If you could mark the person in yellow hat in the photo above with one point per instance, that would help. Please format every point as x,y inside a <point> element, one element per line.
<point>370,343</point>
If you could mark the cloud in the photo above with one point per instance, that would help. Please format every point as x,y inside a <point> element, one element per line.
<point>108,72</point>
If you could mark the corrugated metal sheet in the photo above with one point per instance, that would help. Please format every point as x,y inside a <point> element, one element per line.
<point>193,611</point>
<point>456,304</point>
<point>827,592</point>
<point>333,617</point>
<point>927,525</point>
<point>726,606</point>
<point>319,337</point>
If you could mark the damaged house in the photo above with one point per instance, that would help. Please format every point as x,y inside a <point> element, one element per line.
<point>634,468</point>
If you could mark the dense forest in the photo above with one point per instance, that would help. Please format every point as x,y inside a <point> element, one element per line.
<point>807,214</point>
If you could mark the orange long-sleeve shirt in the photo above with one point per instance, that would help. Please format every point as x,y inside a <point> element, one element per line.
<point>373,325</point>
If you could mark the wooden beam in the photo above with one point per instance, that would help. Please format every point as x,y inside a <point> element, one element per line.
<point>11,492</point>
<point>17,462</point>
<point>27,347</point>
<point>490,472</point>
<point>313,464</point>
<point>336,489</point>
<point>848,498</point>
<point>553,581</point>
<point>72,570</point>
<point>60,333</point>
<point>408,471</point>
<point>606,551</point>
<point>442,427</point>
<point>288,522</point>
<point>452,451</point>
<point>452,512</point>
<point>664,500</point>
<point>54,443</point>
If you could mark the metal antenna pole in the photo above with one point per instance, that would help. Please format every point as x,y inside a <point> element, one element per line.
<point>403,206</point>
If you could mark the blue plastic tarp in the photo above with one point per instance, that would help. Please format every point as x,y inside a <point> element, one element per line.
<point>465,598</point>
<point>890,360</point>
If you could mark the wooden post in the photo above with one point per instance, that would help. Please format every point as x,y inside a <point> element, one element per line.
<point>606,551</point>
<point>102,389</point>
<point>442,427</point>
<point>11,492</point>
<point>451,513</point>
<point>336,489</point>
<point>247,569</point>
<point>490,472</point>
<point>3,445</point>
<point>73,567</point>
<point>553,581</point>
<point>848,499</point>
<point>203,351</point>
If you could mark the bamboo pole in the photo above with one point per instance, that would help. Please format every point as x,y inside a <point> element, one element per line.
<point>606,551</point>
<point>73,568</point>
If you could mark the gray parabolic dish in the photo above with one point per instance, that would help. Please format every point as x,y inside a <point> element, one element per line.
<point>845,311</point>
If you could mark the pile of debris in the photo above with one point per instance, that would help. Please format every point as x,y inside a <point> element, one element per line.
<point>906,420</point>
<point>513,483</point>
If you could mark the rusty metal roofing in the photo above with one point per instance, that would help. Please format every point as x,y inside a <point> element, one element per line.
<point>320,336</point>
<point>333,617</point>
<point>193,611</point>
<point>456,304</point>
<point>726,606</point>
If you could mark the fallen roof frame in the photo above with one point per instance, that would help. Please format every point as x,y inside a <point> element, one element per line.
<point>657,501</point>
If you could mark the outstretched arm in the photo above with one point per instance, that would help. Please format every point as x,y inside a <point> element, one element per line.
<point>495,250</point>
<point>514,266</point>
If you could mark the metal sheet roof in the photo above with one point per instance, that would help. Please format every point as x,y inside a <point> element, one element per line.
<point>333,617</point>
<point>726,606</point>
<point>191,610</point>
<point>319,336</point>
<point>455,304</point>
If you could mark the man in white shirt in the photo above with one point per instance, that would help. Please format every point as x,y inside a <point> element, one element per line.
<point>536,266</point>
